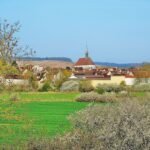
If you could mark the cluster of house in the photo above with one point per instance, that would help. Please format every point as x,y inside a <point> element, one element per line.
<point>38,71</point>
<point>85,68</point>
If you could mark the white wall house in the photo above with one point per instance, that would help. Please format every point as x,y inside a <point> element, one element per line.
<point>130,81</point>
<point>86,67</point>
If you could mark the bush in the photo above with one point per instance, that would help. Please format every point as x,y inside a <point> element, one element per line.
<point>59,79</point>
<point>123,83</point>
<point>14,97</point>
<point>46,87</point>
<point>33,83</point>
<point>141,88</point>
<point>85,86</point>
<point>2,87</point>
<point>100,90</point>
<point>111,127</point>
<point>20,88</point>
<point>95,97</point>
<point>122,127</point>
<point>110,88</point>
<point>70,86</point>
<point>123,94</point>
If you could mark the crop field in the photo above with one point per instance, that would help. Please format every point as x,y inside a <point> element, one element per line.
<point>36,115</point>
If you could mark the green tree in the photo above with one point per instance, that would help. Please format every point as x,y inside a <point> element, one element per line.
<point>7,69</point>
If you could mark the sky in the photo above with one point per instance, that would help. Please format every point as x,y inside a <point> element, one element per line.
<point>114,30</point>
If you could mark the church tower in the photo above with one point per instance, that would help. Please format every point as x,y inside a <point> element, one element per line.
<point>86,54</point>
<point>85,63</point>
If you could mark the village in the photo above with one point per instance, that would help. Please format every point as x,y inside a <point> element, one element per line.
<point>83,69</point>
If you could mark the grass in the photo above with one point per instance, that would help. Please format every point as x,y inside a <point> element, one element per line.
<point>41,96</point>
<point>36,115</point>
<point>138,94</point>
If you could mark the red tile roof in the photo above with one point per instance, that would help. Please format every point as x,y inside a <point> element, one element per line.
<point>99,77</point>
<point>129,76</point>
<point>84,72</point>
<point>84,61</point>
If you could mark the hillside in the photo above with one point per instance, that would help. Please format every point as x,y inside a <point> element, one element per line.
<point>125,65</point>
<point>47,63</point>
<point>47,58</point>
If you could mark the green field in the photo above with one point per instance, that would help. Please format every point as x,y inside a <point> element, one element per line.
<point>36,115</point>
<point>41,96</point>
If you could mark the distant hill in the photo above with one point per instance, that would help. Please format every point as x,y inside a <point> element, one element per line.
<point>46,63</point>
<point>125,65</point>
<point>47,58</point>
<point>68,60</point>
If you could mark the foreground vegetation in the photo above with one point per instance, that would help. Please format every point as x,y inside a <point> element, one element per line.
<point>39,96</point>
<point>35,115</point>
<point>123,126</point>
<point>39,120</point>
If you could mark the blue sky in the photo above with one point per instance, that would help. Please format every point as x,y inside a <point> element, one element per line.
<point>115,30</point>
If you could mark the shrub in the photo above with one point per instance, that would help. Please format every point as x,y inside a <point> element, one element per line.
<point>33,83</point>
<point>46,87</point>
<point>2,87</point>
<point>21,88</point>
<point>141,88</point>
<point>123,83</point>
<point>95,97</point>
<point>85,86</point>
<point>100,90</point>
<point>58,80</point>
<point>111,127</point>
<point>14,97</point>
<point>110,88</point>
<point>123,126</point>
<point>123,94</point>
<point>70,86</point>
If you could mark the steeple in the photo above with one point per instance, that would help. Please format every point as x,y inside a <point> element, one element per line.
<point>86,52</point>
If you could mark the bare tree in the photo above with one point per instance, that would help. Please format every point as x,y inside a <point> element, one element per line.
<point>10,49</point>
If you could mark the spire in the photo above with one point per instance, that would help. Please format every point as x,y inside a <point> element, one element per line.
<point>86,52</point>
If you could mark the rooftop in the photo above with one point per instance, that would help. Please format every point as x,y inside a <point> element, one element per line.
<point>84,61</point>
